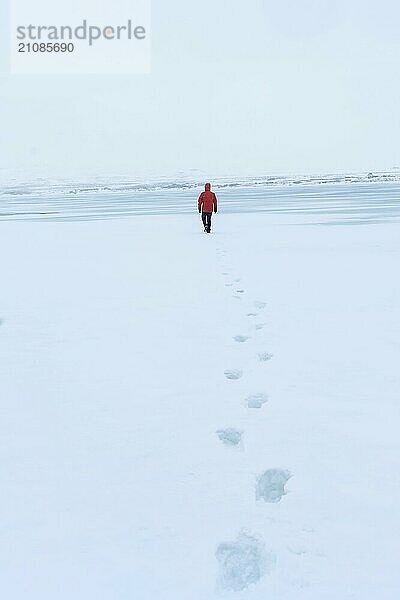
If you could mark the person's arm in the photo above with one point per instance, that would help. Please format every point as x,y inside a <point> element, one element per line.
<point>200,202</point>
<point>215,203</point>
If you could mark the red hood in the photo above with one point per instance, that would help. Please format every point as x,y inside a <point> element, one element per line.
<point>208,187</point>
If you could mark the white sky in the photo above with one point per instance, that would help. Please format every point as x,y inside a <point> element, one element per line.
<point>237,88</point>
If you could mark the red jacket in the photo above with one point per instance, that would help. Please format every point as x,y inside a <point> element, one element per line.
<point>207,200</point>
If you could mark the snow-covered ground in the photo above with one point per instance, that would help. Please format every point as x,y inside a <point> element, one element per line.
<point>147,453</point>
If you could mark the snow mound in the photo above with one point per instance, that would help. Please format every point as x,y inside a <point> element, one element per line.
<point>270,485</point>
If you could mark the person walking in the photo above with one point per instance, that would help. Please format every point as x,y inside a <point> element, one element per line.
<point>207,203</point>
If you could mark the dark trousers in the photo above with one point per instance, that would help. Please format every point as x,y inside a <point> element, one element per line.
<point>206,217</point>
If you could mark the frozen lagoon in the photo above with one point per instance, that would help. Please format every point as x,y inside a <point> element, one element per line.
<point>115,338</point>
<point>328,202</point>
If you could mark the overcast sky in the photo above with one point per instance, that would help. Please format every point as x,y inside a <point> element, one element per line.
<point>236,88</point>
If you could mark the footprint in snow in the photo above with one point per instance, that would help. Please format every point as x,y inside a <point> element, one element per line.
<point>228,284</point>
<point>230,437</point>
<point>237,280</point>
<point>242,562</point>
<point>260,326</point>
<point>233,374</point>
<point>252,315</point>
<point>260,304</point>
<point>270,486</point>
<point>240,291</point>
<point>298,550</point>
<point>301,583</point>
<point>241,338</point>
<point>256,400</point>
<point>264,356</point>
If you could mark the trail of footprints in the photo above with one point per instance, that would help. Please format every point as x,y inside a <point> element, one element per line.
<point>244,561</point>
